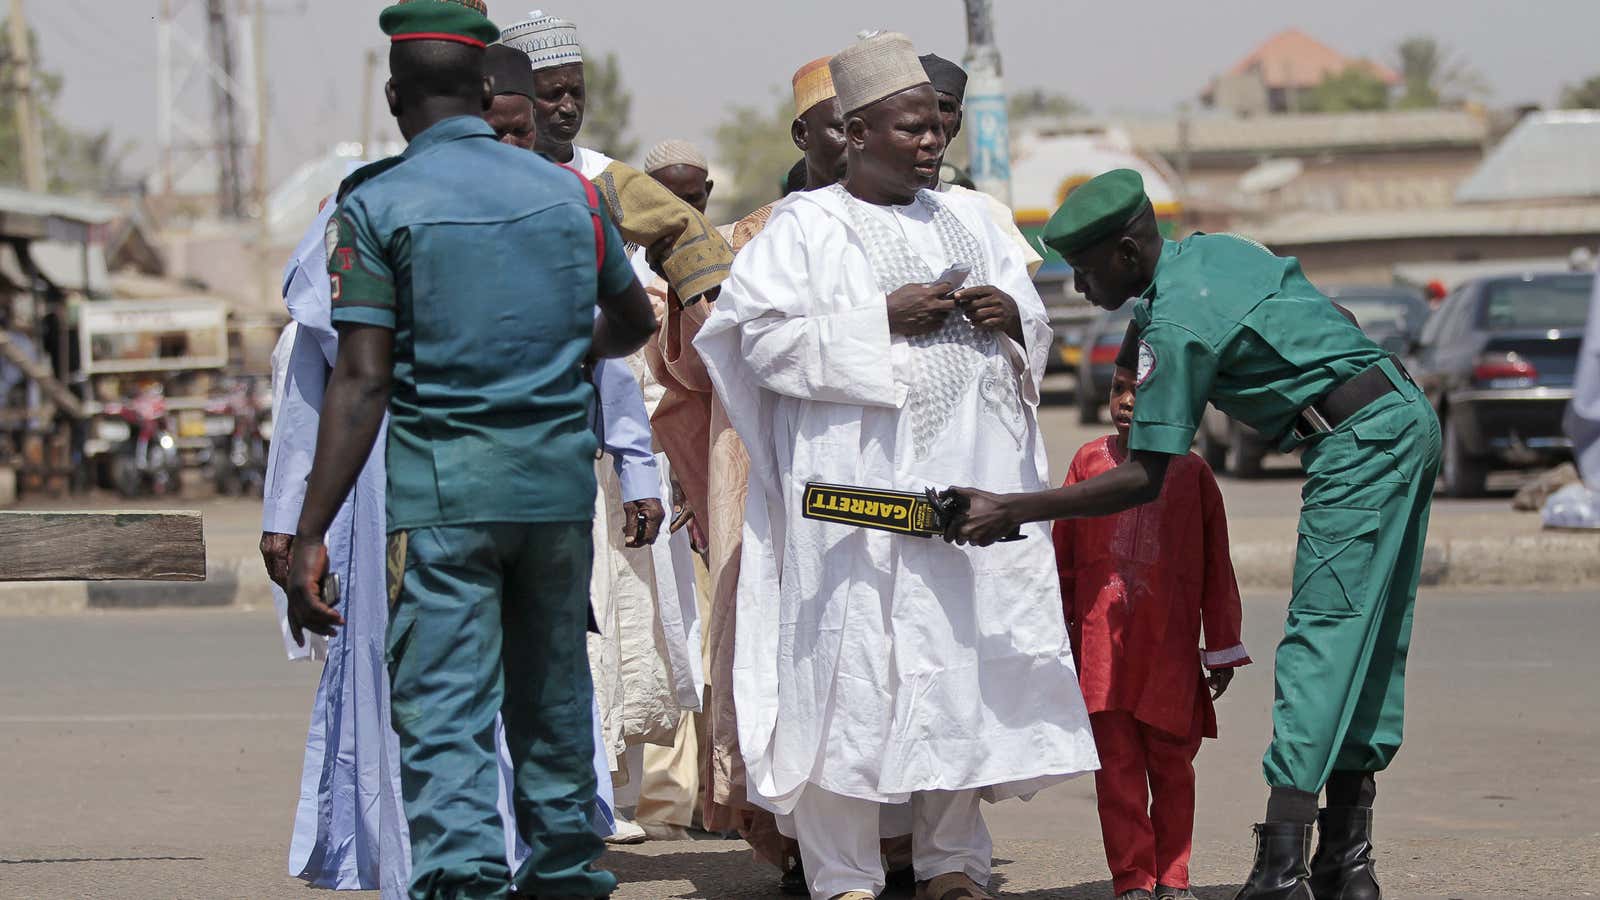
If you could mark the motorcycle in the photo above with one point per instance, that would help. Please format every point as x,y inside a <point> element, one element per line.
<point>145,453</point>
<point>239,451</point>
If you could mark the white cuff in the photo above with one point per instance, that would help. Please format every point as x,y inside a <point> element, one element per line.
<point>1219,658</point>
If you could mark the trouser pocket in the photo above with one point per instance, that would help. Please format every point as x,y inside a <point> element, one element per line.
<point>1333,559</point>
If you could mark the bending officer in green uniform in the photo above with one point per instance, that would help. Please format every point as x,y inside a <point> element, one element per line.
<point>465,275</point>
<point>1221,319</point>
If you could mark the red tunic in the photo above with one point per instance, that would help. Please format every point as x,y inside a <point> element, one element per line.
<point>1139,585</point>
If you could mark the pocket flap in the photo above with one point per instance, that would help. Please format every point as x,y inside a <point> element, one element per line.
<point>1337,524</point>
<point>1381,428</point>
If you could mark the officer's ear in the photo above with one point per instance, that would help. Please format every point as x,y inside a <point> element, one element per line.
<point>391,94</point>
<point>1127,252</point>
<point>488,93</point>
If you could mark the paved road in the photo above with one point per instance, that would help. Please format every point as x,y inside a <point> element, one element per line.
<point>155,755</point>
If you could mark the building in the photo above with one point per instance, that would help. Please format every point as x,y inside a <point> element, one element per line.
<point>1278,76</point>
<point>1532,202</point>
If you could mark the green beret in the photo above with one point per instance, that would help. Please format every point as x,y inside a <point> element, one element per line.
<point>438,20</point>
<point>1096,210</point>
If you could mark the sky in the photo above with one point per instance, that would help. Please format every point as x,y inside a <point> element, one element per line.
<point>686,62</point>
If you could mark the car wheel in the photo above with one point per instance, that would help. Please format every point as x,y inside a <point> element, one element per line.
<point>1463,475</point>
<point>1213,451</point>
<point>1244,453</point>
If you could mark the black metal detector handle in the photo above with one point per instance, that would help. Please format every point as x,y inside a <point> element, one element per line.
<point>948,504</point>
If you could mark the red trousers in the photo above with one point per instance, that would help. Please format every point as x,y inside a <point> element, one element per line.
<point>1147,834</point>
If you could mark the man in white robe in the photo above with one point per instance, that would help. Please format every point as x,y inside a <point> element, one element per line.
<point>873,668</point>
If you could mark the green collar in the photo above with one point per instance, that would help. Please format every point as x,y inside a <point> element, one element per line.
<point>445,130</point>
<point>1169,249</point>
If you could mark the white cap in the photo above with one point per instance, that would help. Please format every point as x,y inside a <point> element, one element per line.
<point>879,65</point>
<point>674,153</point>
<point>548,41</point>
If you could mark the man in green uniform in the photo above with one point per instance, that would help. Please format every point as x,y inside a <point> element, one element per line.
<point>464,277</point>
<point>1220,319</point>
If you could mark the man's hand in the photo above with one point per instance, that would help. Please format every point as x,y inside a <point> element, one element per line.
<point>654,515</point>
<point>987,519</point>
<point>275,554</point>
<point>920,308</point>
<point>307,611</point>
<point>1218,680</point>
<point>991,309</point>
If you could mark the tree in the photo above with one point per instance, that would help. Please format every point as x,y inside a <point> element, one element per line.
<point>1433,76</point>
<point>753,142</point>
<point>74,160</point>
<point>1355,89</point>
<point>608,109</point>
<point>1583,95</point>
<point>1038,103</point>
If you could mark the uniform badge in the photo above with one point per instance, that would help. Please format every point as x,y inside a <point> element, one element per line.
<point>330,237</point>
<point>1147,364</point>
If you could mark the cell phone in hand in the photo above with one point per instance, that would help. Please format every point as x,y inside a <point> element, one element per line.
<point>641,523</point>
<point>330,590</point>
<point>955,276</point>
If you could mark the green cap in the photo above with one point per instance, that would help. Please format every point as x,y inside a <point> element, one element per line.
<point>438,20</point>
<point>1096,210</point>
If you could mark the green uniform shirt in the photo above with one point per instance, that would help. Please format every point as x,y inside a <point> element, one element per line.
<point>482,259</point>
<point>1224,320</point>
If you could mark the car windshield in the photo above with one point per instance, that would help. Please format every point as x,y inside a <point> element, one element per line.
<point>1560,301</point>
<point>1382,313</point>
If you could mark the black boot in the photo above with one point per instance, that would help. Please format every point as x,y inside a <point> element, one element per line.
<point>1342,868</point>
<point>1280,871</point>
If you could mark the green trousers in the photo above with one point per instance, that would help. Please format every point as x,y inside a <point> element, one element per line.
<point>487,619</point>
<point>1340,670</point>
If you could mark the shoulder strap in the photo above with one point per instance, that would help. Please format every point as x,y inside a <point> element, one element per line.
<point>593,196</point>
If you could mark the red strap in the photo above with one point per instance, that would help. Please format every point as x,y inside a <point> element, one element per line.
<point>594,213</point>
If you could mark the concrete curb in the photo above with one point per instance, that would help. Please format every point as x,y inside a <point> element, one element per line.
<point>1548,559</point>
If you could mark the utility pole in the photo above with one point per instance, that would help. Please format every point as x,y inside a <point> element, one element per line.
<point>33,174</point>
<point>368,78</point>
<point>988,131</point>
<point>258,35</point>
<point>225,113</point>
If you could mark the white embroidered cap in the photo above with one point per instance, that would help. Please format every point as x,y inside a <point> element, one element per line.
<point>549,41</point>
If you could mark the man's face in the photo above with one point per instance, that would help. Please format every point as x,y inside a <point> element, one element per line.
<point>819,133</point>
<point>1124,384</point>
<point>558,98</point>
<point>511,117</point>
<point>689,183</point>
<point>899,140</point>
<point>1107,274</point>
<point>950,115</point>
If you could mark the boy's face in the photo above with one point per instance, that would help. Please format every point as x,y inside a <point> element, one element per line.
<point>1123,384</point>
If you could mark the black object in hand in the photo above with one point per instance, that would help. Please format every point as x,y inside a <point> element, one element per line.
<point>641,522</point>
<point>948,504</point>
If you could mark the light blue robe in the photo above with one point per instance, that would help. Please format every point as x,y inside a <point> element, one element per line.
<point>350,830</point>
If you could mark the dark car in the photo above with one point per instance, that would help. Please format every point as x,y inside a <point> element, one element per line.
<point>1101,342</point>
<point>1391,315</point>
<point>1498,361</point>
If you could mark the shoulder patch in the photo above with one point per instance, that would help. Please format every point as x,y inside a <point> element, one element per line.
<point>366,173</point>
<point>1147,364</point>
<point>330,236</point>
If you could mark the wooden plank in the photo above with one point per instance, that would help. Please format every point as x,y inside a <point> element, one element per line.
<point>144,545</point>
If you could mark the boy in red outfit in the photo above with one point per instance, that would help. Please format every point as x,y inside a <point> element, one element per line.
<point>1139,586</point>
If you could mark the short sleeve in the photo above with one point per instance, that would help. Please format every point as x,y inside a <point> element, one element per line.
<point>616,273</point>
<point>360,278</point>
<point>1176,369</point>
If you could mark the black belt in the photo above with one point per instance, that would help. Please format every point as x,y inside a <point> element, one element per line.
<point>1336,407</point>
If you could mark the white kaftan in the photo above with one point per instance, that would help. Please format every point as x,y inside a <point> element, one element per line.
<point>877,665</point>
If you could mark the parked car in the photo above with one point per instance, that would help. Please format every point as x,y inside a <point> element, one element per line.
<point>1392,315</point>
<point>1101,342</point>
<point>1498,361</point>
